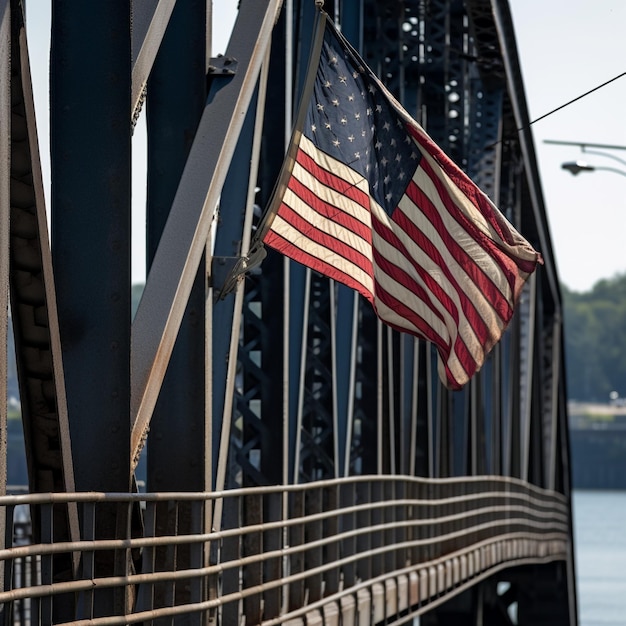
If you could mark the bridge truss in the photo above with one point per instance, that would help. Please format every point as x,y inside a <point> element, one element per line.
<point>302,463</point>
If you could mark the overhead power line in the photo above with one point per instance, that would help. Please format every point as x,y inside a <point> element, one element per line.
<point>574,100</point>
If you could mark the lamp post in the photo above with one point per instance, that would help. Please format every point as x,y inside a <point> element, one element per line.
<point>576,167</point>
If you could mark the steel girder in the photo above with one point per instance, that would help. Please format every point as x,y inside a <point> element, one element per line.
<point>5,203</point>
<point>302,381</point>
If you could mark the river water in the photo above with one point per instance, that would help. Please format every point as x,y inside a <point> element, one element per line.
<point>600,552</point>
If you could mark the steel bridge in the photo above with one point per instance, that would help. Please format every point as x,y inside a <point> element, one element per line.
<point>259,449</point>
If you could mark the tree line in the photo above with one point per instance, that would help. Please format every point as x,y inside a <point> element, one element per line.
<point>595,340</point>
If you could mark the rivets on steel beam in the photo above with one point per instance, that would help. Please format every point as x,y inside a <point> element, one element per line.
<point>223,66</point>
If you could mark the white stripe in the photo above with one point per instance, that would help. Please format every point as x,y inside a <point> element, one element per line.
<point>298,240</point>
<point>465,283</point>
<point>391,317</point>
<point>338,169</point>
<point>447,329</point>
<point>398,259</point>
<point>331,196</point>
<point>456,232</point>
<point>326,225</point>
<point>520,249</point>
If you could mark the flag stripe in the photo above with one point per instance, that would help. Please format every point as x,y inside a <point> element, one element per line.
<point>323,166</point>
<point>427,259</point>
<point>291,243</point>
<point>476,208</point>
<point>328,188</point>
<point>326,233</point>
<point>507,267</point>
<point>450,371</point>
<point>484,280</point>
<point>425,295</point>
<point>315,198</point>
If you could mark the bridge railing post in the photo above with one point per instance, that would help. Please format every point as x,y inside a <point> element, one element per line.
<point>390,532</point>
<point>314,531</point>
<point>296,561</point>
<point>272,542</point>
<point>347,524</point>
<point>252,546</point>
<point>377,519</point>
<point>332,578</point>
<point>363,542</point>
<point>401,517</point>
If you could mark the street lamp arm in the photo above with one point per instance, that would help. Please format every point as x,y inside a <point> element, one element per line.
<point>603,154</point>
<point>585,144</point>
<point>615,170</point>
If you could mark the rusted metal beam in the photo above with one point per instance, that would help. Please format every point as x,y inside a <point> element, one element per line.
<point>5,143</point>
<point>35,324</point>
<point>150,20</point>
<point>184,237</point>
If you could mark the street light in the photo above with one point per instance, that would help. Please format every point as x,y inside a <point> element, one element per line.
<point>576,167</point>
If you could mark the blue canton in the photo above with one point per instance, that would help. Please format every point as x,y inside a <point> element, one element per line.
<point>351,119</point>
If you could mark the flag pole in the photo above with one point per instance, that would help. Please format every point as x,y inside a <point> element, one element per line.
<point>285,172</point>
<point>257,252</point>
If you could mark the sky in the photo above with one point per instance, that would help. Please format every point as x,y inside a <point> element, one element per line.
<point>566,48</point>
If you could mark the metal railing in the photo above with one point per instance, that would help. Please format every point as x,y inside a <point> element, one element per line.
<point>377,548</point>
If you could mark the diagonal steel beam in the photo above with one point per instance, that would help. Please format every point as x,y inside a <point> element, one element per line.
<point>34,312</point>
<point>150,20</point>
<point>184,237</point>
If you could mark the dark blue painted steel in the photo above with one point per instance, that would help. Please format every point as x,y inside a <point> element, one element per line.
<point>90,144</point>
<point>175,102</point>
<point>228,244</point>
<point>345,354</point>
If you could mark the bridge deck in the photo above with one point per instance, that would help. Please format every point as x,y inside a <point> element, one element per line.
<point>359,550</point>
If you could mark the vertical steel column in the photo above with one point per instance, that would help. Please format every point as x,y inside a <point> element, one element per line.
<point>90,144</point>
<point>345,367</point>
<point>317,436</point>
<point>179,437</point>
<point>35,324</point>
<point>352,17</point>
<point>365,439</point>
<point>175,102</point>
<point>232,236</point>
<point>422,440</point>
<point>258,426</point>
<point>5,207</point>
<point>91,149</point>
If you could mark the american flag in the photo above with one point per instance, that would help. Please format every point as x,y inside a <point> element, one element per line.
<point>365,197</point>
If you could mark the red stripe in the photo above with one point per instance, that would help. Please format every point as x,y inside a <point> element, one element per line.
<point>508,262</point>
<point>474,319</point>
<point>425,330</point>
<point>287,248</point>
<point>451,381</point>
<point>345,188</point>
<point>465,359</point>
<point>509,265</point>
<point>463,182</point>
<point>401,276</point>
<point>329,211</point>
<point>500,303</point>
<point>339,246</point>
